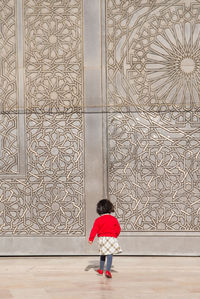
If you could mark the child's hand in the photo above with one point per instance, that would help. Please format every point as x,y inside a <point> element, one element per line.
<point>90,242</point>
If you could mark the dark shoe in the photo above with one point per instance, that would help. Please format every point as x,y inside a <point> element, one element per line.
<point>100,271</point>
<point>108,274</point>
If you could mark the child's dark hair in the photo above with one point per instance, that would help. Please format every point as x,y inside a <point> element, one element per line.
<point>104,206</point>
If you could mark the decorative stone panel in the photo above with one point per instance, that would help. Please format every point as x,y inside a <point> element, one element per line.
<point>41,84</point>
<point>153,70</point>
<point>154,170</point>
<point>8,90</point>
<point>153,60</point>
<point>53,55</point>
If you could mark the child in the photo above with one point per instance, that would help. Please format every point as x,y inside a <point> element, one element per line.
<point>107,229</point>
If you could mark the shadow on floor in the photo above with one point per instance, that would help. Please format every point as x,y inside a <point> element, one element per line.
<point>95,265</point>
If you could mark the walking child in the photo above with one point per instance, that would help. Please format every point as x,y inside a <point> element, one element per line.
<point>107,228</point>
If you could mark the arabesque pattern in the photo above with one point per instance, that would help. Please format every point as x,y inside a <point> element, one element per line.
<point>53,57</point>
<point>154,169</point>
<point>48,198</point>
<point>153,70</point>
<point>153,55</point>
<point>8,90</point>
<point>55,173</point>
<point>8,71</point>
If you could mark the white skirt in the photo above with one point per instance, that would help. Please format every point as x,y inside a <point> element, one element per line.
<point>109,245</point>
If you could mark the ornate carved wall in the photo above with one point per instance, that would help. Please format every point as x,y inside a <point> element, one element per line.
<point>97,98</point>
<point>153,71</point>
<point>42,142</point>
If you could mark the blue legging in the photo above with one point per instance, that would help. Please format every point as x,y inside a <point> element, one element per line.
<point>109,262</point>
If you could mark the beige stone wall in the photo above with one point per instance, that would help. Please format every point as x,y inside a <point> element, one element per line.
<point>153,68</point>
<point>99,98</point>
<point>42,142</point>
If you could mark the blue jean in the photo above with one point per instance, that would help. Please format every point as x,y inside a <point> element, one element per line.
<point>109,262</point>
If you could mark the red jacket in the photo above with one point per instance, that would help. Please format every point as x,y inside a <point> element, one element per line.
<point>105,226</point>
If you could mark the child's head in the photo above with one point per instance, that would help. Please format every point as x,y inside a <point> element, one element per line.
<point>104,206</point>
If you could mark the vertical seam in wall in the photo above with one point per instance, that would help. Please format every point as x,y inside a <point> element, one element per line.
<point>94,181</point>
<point>104,98</point>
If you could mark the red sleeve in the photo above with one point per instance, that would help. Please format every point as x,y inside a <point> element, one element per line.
<point>117,228</point>
<point>93,231</point>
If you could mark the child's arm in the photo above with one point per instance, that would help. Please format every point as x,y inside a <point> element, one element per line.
<point>93,232</point>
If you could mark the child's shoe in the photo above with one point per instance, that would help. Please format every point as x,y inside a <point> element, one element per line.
<point>100,271</point>
<point>108,274</point>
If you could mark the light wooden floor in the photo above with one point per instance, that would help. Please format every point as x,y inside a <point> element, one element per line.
<point>75,277</point>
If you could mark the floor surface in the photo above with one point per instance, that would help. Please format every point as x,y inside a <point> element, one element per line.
<point>75,277</point>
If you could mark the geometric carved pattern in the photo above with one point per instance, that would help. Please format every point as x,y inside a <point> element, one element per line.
<point>53,55</point>
<point>49,199</point>
<point>154,170</point>
<point>55,173</point>
<point>8,73</point>
<point>153,54</point>
<point>153,70</point>
<point>8,144</point>
<point>8,89</point>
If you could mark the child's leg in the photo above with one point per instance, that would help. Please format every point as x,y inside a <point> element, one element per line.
<point>102,261</point>
<point>109,262</point>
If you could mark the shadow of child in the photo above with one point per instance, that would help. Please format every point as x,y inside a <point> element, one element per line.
<point>95,265</point>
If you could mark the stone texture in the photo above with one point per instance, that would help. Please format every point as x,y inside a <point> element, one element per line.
<point>75,277</point>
